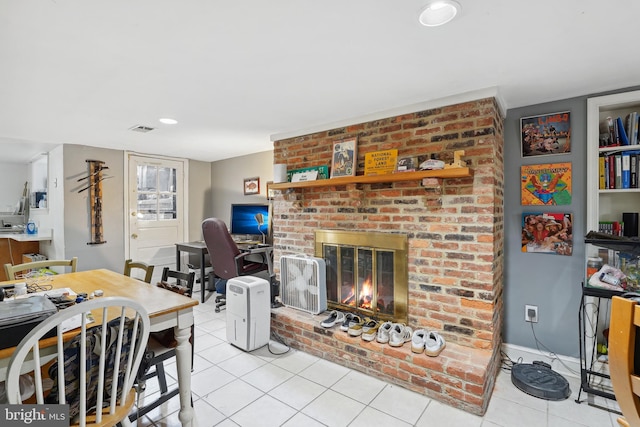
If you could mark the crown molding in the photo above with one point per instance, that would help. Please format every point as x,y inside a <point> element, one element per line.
<point>491,92</point>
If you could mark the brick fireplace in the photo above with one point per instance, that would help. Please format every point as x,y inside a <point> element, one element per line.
<point>454,229</point>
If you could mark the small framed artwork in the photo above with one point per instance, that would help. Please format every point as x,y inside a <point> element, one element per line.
<point>271,193</point>
<point>251,186</point>
<point>344,160</point>
<point>546,134</point>
<point>550,233</point>
<point>546,184</point>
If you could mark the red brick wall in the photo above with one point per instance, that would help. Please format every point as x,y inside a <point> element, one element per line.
<point>455,226</point>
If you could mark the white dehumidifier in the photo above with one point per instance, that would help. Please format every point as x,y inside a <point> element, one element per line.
<point>248,312</point>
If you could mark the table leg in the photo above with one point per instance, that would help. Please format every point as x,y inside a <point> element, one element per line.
<point>183,362</point>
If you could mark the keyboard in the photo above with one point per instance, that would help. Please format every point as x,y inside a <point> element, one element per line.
<point>248,242</point>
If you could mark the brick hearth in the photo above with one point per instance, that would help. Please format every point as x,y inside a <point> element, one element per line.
<point>455,233</point>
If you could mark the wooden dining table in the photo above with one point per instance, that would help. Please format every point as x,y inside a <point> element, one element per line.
<point>166,309</point>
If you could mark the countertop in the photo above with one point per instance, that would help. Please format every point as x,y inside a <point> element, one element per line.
<point>41,235</point>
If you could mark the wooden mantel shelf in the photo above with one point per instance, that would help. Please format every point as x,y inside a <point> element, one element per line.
<point>374,179</point>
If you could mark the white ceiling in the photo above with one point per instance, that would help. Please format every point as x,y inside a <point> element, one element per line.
<point>236,72</point>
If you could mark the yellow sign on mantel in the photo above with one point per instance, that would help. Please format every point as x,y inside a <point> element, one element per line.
<point>380,162</point>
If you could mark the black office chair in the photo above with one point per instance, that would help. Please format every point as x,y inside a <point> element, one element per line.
<point>227,260</point>
<point>162,345</point>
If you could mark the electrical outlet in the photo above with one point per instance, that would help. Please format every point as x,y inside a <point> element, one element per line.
<point>531,313</point>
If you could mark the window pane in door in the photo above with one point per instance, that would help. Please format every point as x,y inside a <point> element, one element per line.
<point>147,206</point>
<point>167,206</point>
<point>147,176</point>
<point>166,179</point>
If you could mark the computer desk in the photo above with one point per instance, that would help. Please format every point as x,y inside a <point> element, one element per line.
<point>266,250</point>
<point>200,248</point>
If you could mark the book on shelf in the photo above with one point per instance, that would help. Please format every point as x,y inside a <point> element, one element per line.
<point>633,174</point>
<point>632,127</point>
<point>621,133</point>
<point>614,228</point>
<point>611,162</point>
<point>626,170</point>
<point>602,180</point>
<point>619,171</point>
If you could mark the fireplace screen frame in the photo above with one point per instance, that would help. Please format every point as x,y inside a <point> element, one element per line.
<point>393,242</point>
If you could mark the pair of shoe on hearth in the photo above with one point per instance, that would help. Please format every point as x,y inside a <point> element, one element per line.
<point>362,327</point>
<point>354,324</point>
<point>335,318</point>
<point>394,334</point>
<point>429,342</point>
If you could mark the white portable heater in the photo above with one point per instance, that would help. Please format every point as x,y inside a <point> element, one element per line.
<point>303,283</point>
<point>248,312</point>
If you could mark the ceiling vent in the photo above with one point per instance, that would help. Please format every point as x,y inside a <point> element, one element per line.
<point>141,128</point>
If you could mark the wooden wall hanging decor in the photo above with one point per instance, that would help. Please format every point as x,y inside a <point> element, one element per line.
<point>94,186</point>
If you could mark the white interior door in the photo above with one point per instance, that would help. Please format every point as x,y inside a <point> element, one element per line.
<point>156,210</point>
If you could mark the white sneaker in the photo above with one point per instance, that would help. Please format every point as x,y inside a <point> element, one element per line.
<point>434,344</point>
<point>334,318</point>
<point>350,320</point>
<point>417,340</point>
<point>383,332</point>
<point>399,335</point>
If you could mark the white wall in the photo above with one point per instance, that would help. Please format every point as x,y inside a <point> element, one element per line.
<point>14,175</point>
<point>38,171</point>
<point>53,217</point>
<point>77,219</point>
<point>227,181</point>
<point>200,201</point>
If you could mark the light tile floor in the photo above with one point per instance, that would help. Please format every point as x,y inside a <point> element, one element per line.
<point>270,387</point>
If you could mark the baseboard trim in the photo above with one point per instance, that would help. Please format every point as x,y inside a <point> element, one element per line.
<point>564,365</point>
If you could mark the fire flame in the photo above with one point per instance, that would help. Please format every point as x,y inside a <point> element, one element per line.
<point>366,294</point>
<point>350,299</point>
<point>365,297</point>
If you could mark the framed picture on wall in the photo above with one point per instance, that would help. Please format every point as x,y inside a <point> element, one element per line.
<point>546,134</point>
<point>251,186</point>
<point>550,233</point>
<point>344,158</point>
<point>546,184</point>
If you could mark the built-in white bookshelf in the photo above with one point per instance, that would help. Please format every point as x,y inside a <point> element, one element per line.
<point>607,204</point>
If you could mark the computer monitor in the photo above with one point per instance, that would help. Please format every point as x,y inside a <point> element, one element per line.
<point>250,220</point>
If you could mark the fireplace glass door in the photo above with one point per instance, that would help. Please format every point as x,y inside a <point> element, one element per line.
<point>366,279</point>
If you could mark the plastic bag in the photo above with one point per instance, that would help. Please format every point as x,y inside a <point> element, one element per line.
<point>608,277</point>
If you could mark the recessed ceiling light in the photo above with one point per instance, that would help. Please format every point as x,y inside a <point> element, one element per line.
<point>439,12</point>
<point>168,121</point>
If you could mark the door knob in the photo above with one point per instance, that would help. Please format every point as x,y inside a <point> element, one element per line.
<point>134,236</point>
<point>134,213</point>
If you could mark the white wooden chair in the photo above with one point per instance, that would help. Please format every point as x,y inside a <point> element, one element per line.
<point>104,383</point>
<point>12,270</point>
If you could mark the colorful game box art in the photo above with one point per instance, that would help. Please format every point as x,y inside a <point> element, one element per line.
<point>546,184</point>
